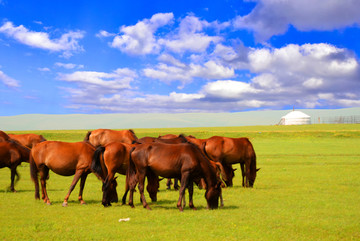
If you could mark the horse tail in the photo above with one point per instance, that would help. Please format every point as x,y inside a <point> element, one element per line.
<point>34,174</point>
<point>96,166</point>
<point>87,137</point>
<point>131,171</point>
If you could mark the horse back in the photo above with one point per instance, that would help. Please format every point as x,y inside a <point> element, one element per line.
<point>63,158</point>
<point>101,137</point>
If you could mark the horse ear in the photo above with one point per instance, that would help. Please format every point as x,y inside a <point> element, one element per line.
<point>258,169</point>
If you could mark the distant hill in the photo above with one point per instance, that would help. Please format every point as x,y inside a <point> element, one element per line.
<point>160,120</point>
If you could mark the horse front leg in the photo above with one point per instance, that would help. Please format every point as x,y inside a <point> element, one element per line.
<point>72,186</point>
<point>13,174</point>
<point>242,166</point>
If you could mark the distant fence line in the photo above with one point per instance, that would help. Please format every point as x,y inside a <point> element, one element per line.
<point>354,119</point>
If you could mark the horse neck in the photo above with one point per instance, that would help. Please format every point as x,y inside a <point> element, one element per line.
<point>24,151</point>
<point>209,173</point>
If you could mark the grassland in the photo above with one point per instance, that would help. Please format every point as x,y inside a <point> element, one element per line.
<point>308,188</point>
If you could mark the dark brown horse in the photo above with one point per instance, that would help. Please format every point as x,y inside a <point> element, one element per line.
<point>4,136</point>
<point>101,137</point>
<point>13,154</point>
<point>28,140</point>
<point>64,159</point>
<point>184,161</point>
<point>230,151</point>
<point>114,158</point>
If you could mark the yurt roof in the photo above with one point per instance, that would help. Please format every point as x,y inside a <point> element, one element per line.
<point>296,114</point>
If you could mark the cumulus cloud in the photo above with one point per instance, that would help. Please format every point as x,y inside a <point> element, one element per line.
<point>190,36</point>
<point>139,39</point>
<point>273,17</point>
<point>8,81</point>
<point>174,70</point>
<point>67,44</point>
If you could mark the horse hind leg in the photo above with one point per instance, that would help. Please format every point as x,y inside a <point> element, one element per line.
<point>44,175</point>
<point>141,190</point>
<point>184,183</point>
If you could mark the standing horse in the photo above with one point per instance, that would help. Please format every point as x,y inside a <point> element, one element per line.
<point>11,155</point>
<point>101,137</point>
<point>114,158</point>
<point>230,151</point>
<point>184,161</point>
<point>28,140</point>
<point>64,159</point>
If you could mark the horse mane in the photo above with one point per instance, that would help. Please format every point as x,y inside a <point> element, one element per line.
<point>133,132</point>
<point>87,136</point>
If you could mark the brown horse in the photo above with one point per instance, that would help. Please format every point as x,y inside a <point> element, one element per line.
<point>101,137</point>
<point>64,159</point>
<point>230,151</point>
<point>114,158</point>
<point>11,155</point>
<point>4,136</point>
<point>184,161</point>
<point>28,140</point>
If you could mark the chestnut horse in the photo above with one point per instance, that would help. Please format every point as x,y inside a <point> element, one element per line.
<point>184,161</point>
<point>101,137</point>
<point>13,154</point>
<point>230,151</point>
<point>114,158</point>
<point>64,159</point>
<point>28,140</point>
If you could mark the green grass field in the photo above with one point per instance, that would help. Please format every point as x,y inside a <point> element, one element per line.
<point>308,188</point>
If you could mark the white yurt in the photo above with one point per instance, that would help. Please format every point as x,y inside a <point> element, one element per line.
<point>295,118</point>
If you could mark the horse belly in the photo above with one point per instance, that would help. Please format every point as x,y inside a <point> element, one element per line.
<point>62,167</point>
<point>165,170</point>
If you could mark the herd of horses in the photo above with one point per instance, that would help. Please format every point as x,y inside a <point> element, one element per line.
<point>104,152</point>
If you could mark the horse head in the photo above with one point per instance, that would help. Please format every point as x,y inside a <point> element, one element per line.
<point>212,195</point>
<point>109,192</point>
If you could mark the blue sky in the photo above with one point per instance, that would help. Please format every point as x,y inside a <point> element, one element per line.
<point>65,57</point>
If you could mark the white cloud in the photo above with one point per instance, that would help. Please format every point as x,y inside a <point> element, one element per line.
<point>139,39</point>
<point>104,34</point>
<point>69,65</point>
<point>186,73</point>
<point>67,44</point>
<point>104,82</point>
<point>190,37</point>
<point>8,81</point>
<point>44,69</point>
<point>273,17</point>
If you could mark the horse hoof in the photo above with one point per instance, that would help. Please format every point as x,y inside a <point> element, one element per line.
<point>64,204</point>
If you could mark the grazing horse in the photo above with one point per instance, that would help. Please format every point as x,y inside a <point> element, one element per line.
<point>4,136</point>
<point>11,155</point>
<point>184,161</point>
<point>28,140</point>
<point>230,151</point>
<point>114,158</point>
<point>64,159</point>
<point>101,137</point>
